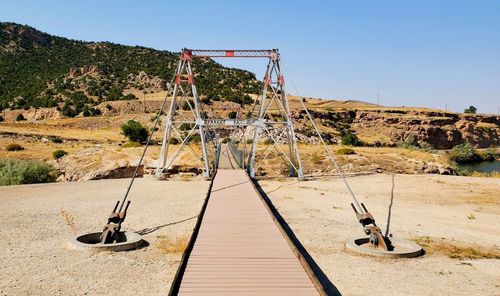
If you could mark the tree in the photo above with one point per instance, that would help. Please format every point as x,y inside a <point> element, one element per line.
<point>464,153</point>
<point>20,117</point>
<point>350,138</point>
<point>135,131</point>
<point>471,110</point>
<point>232,115</point>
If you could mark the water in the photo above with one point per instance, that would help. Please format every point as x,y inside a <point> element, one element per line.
<point>483,167</point>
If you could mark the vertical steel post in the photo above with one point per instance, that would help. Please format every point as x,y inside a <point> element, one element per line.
<point>291,132</point>
<point>260,120</point>
<point>168,125</point>
<point>199,121</point>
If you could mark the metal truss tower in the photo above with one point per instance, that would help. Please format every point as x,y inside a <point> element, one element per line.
<point>273,95</point>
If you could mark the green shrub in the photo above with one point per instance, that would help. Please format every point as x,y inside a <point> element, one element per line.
<point>173,141</point>
<point>16,171</point>
<point>186,126</point>
<point>351,139</point>
<point>488,155</point>
<point>20,117</point>
<point>1,119</point>
<point>59,153</point>
<point>316,158</point>
<point>226,140</point>
<point>135,131</point>
<point>464,153</point>
<point>345,151</point>
<point>131,145</point>
<point>232,115</point>
<point>56,140</point>
<point>14,147</point>
<point>409,142</point>
<point>186,103</point>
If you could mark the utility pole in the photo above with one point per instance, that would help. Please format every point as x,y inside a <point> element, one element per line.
<point>445,107</point>
<point>378,99</point>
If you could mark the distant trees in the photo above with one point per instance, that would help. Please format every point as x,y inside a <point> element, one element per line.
<point>23,85</point>
<point>471,110</point>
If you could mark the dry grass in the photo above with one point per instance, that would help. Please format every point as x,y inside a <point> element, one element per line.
<point>493,174</point>
<point>456,250</point>
<point>69,219</point>
<point>167,245</point>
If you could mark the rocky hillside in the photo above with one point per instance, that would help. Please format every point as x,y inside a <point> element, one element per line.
<point>42,70</point>
<point>392,127</point>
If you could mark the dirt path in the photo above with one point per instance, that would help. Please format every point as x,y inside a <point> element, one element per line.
<point>450,210</point>
<point>36,261</point>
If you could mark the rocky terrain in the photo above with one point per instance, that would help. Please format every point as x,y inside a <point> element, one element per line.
<point>442,130</point>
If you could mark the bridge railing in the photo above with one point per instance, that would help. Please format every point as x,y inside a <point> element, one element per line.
<point>239,155</point>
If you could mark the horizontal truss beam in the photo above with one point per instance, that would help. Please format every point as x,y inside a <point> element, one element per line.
<point>231,53</point>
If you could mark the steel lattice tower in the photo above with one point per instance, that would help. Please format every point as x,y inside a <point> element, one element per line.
<point>273,93</point>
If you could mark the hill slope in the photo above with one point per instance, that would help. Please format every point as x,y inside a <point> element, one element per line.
<point>42,70</point>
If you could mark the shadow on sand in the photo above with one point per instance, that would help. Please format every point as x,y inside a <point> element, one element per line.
<point>149,230</point>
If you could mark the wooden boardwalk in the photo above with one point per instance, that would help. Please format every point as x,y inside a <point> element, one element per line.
<point>239,250</point>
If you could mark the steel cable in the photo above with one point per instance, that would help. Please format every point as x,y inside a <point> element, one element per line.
<point>330,156</point>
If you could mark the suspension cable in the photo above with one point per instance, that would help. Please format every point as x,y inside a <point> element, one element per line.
<point>332,158</point>
<point>169,90</point>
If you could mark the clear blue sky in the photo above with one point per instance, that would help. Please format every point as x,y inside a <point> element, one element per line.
<point>413,53</point>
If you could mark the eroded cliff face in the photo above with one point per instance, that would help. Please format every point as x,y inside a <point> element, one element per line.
<point>386,127</point>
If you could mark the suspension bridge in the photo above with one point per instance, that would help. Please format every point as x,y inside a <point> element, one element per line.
<point>237,248</point>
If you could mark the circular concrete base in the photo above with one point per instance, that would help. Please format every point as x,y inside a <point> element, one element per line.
<point>91,241</point>
<point>402,248</point>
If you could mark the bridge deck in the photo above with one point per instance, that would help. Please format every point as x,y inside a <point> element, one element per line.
<point>239,250</point>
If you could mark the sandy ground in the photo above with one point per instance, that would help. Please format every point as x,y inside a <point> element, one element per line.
<point>320,215</point>
<point>35,259</point>
<point>34,256</point>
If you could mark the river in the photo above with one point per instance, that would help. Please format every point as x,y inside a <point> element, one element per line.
<point>483,166</point>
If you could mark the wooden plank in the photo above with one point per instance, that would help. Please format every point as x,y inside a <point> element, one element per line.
<point>238,249</point>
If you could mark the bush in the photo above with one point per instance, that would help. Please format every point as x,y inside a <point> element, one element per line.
<point>173,141</point>
<point>488,155</point>
<point>186,126</point>
<point>464,153</point>
<point>132,145</point>
<point>1,118</point>
<point>14,147</point>
<point>232,115</point>
<point>316,158</point>
<point>351,139</point>
<point>226,140</point>
<point>409,142</point>
<point>59,153</point>
<point>185,105</point>
<point>20,117</point>
<point>345,151</point>
<point>56,140</point>
<point>16,171</point>
<point>135,131</point>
